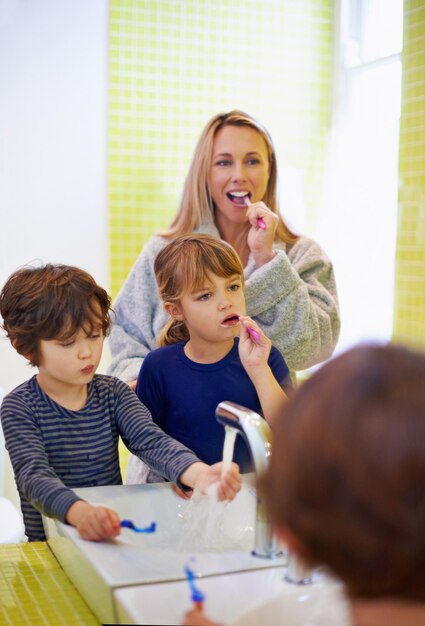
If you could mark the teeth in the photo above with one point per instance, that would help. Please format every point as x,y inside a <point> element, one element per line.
<point>238,194</point>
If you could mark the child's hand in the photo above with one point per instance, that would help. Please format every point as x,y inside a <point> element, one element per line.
<point>253,351</point>
<point>197,617</point>
<point>227,486</point>
<point>94,523</point>
<point>185,495</point>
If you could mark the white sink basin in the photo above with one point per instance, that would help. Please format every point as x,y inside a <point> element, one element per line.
<point>252,598</point>
<point>219,536</point>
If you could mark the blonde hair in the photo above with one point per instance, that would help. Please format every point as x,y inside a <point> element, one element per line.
<point>196,206</point>
<point>183,266</point>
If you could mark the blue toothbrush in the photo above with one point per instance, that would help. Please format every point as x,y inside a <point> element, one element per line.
<point>197,596</point>
<point>126,523</point>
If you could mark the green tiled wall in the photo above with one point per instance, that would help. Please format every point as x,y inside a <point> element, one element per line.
<point>174,64</point>
<point>409,318</point>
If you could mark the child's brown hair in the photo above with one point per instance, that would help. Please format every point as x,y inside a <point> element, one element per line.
<point>347,473</point>
<point>51,302</point>
<point>184,266</point>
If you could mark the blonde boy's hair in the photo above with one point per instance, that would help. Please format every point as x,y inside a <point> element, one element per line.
<point>196,206</point>
<point>184,266</point>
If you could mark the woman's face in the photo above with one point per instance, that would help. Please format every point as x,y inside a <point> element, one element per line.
<point>239,169</point>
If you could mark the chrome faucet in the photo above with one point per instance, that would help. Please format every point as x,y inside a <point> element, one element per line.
<point>258,436</point>
<point>298,572</point>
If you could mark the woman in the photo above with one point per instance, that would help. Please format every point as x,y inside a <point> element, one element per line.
<point>230,193</point>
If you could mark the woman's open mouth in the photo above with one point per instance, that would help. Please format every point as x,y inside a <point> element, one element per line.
<point>238,197</point>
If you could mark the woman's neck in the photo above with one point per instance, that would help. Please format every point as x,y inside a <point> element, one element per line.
<point>237,236</point>
<point>386,612</point>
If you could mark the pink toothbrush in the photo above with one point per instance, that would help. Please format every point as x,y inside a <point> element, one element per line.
<point>254,334</point>
<point>261,223</point>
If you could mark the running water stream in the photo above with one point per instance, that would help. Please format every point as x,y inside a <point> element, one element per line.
<point>211,523</point>
<point>228,447</point>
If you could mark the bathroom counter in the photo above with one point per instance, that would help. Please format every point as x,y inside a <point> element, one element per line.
<point>34,589</point>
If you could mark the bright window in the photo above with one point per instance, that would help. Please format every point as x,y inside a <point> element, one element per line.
<point>358,217</point>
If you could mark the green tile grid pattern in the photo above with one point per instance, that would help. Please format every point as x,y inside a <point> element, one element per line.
<point>173,64</point>
<point>35,591</point>
<point>409,317</point>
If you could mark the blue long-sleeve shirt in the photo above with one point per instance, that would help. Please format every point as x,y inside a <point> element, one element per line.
<point>182,396</point>
<point>53,449</point>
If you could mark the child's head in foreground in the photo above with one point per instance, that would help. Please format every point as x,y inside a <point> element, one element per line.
<point>52,302</point>
<point>347,475</point>
<point>187,265</point>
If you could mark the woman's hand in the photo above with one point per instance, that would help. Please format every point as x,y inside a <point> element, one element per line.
<point>260,240</point>
<point>94,523</point>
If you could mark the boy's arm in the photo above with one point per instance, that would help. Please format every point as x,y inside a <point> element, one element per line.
<point>254,353</point>
<point>35,478</point>
<point>164,454</point>
<point>39,484</point>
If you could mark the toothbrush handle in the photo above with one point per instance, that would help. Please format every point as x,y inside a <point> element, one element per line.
<point>254,334</point>
<point>260,222</point>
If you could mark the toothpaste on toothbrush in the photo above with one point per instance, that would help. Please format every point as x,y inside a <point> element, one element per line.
<point>261,223</point>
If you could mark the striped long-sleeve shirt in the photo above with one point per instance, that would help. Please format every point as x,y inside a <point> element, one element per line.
<point>53,449</point>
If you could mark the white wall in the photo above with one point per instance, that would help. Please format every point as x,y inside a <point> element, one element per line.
<point>53,123</point>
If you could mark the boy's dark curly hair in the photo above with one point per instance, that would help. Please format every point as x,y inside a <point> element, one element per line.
<point>51,302</point>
